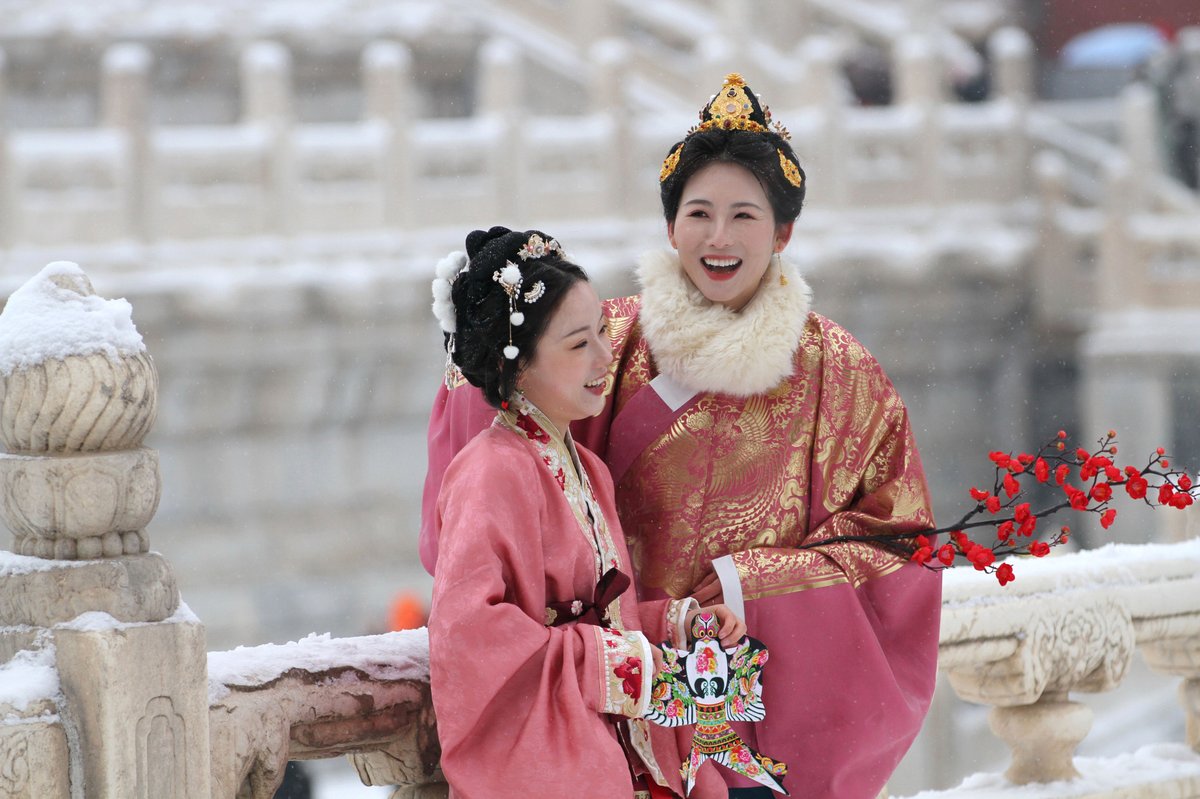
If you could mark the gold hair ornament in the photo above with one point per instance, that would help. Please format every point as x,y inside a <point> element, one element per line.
<point>510,280</point>
<point>789,170</point>
<point>733,108</point>
<point>670,162</point>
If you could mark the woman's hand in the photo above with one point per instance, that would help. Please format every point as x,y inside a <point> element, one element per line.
<point>731,627</point>
<point>708,591</point>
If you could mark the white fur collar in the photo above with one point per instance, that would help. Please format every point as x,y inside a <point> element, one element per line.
<point>706,347</point>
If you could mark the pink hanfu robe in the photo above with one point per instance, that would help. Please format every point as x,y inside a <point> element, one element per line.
<point>528,705</point>
<point>820,449</point>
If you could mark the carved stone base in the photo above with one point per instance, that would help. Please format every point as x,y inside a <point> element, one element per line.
<point>33,754</point>
<point>70,507</point>
<point>140,588</point>
<point>1043,738</point>
<point>138,696</point>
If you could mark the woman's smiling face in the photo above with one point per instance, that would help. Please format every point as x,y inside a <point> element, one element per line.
<point>565,378</point>
<point>725,233</point>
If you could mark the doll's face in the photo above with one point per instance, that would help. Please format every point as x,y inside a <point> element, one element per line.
<point>725,233</point>
<point>565,377</point>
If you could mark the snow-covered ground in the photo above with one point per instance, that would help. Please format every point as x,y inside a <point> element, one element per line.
<point>1156,762</point>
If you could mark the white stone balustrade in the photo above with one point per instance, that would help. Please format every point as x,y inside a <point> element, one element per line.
<point>1070,623</point>
<point>270,174</point>
<point>1073,623</point>
<point>283,340</point>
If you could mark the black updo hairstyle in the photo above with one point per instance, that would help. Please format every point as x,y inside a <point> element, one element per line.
<point>757,151</point>
<point>481,308</point>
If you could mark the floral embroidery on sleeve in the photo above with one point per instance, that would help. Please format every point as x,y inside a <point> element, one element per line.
<point>626,680</point>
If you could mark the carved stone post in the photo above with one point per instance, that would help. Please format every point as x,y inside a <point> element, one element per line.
<point>1012,56</point>
<point>609,59</point>
<point>1181,657</point>
<point>1056,268</point>
<point>387,86</point>
<point>502,99</point>
<point>126,90</point>
<point>919,87</point>
<point>734,18</point>
<point>78,393</point>
<point>1076,643</point>
<point>1140,135</point>
<point>592,21</point>
<point>267,103</point>
<point>918,82</point>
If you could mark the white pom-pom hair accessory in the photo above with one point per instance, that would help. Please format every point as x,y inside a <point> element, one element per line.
<point>447,270</point>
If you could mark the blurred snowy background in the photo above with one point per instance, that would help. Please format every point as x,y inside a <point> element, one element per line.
<point>270,182</point>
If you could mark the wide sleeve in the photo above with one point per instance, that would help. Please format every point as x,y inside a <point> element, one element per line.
<point>507,688</point>
<point>865,479</point>
<point>458,415</point>
<point>849,614</point>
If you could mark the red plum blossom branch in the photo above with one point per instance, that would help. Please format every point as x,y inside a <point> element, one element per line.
<point>1003,523</point>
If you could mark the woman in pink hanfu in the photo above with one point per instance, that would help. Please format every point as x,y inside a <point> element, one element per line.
<point>540,660</point>
<point>753,444</point>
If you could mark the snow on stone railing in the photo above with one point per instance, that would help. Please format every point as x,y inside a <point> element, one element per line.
<point>97,648</point>
<point>270,174</point>
<point>322,697</point>
<point>1068,624</point>
<point>1114,232</point>
<point>672,44</point>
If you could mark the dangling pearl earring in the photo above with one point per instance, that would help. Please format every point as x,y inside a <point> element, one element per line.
<point>783,281</point>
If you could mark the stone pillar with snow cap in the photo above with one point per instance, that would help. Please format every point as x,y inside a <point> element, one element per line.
<point>78,393</point>
<point>82,597</point>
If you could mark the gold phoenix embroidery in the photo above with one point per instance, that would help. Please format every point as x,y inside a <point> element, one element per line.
<point>736,475</point>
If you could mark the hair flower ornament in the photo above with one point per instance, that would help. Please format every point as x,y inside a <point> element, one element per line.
<point>537,247</point>
<point>510,280</point>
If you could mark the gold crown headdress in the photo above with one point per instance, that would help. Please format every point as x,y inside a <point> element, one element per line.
<point>736,107</point>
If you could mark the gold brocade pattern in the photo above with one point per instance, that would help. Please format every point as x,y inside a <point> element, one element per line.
<point>621,314</point>
<point>735,475</point>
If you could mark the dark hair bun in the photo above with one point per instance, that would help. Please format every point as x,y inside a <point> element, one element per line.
<point>483,309</point>
<point>478,239</point>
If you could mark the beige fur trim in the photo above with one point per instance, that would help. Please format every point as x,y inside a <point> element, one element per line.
<point>708,348</point>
